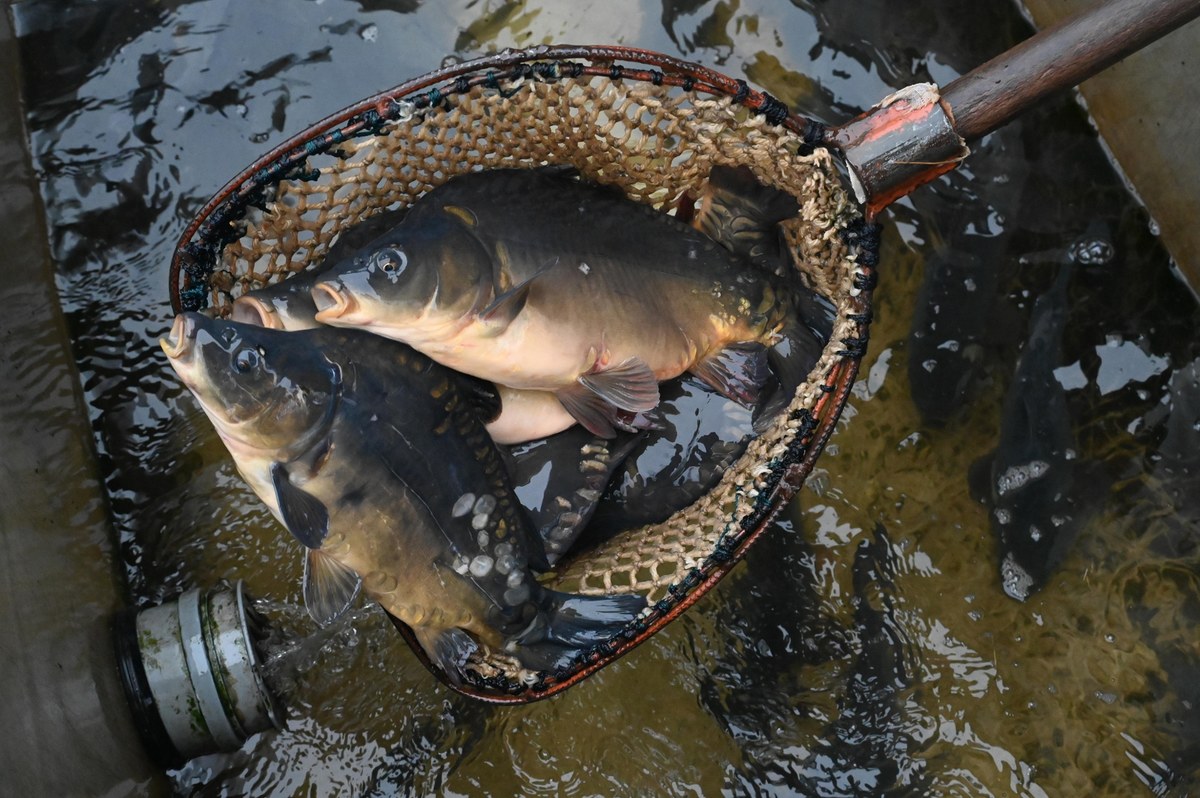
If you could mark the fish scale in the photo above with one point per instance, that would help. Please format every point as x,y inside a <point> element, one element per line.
<point>608,259</point>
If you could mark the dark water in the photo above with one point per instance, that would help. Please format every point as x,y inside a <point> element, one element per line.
<point>867,646</point>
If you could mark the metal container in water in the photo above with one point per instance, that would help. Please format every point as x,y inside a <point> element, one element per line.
<point>191,674</point>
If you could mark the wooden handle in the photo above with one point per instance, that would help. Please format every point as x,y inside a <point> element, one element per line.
<point>921,132</point>
<point>1057,58</point>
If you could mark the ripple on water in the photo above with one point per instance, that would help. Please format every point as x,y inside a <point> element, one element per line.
<point>828,663</point>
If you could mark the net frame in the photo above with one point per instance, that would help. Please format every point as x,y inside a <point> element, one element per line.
<point>615,114</point>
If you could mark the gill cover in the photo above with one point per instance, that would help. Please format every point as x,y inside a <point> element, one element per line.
<point>429,265</point>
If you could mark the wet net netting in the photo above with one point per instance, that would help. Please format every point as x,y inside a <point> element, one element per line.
<point>655,134</point>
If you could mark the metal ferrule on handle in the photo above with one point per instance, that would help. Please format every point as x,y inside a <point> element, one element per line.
<point>922,132</point>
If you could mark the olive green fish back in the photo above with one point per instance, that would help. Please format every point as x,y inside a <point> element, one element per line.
<point>649,124</point>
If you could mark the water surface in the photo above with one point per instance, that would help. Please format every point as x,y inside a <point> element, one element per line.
<point>866,647</point>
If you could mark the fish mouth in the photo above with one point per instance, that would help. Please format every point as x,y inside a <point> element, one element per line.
<point>332,302</point>
<point>177,344</point>
<point>252,310</point>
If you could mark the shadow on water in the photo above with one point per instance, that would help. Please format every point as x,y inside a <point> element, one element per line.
<point>866,647</point>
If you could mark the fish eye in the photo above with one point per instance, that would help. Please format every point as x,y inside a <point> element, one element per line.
<point>246,359</point>
<point>390,260</point>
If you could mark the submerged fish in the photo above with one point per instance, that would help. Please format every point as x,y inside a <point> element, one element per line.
<point>953,314</point>
<point>532,279</point>
<point>1176,462</point>
<point>869,734</point>
<point>1034,481</point>
<point>386,475</point>
<point>700,436</point>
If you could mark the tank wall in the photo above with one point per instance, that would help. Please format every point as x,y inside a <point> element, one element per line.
<point>1145,110</point>
<point>67,728</point>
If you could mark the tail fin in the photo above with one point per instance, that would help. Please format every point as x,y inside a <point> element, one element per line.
<point>562,519</point>
<point>570,623</point>
<point>793,356</point>
<point>743,215</point>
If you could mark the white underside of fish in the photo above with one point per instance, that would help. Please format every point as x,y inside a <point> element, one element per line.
<point>528,415</point>
<point>537,352</point>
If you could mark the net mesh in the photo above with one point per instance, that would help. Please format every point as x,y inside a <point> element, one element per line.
<point>658,143</point>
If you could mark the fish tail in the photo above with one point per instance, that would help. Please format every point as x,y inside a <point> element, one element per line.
<point>565,520</point>
<point>570,623</point>
<point>802,338</point>
<point>743,215</point>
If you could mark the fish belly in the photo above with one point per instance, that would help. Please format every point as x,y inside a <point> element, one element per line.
<point>404,569</point>
<point>550,350</point>
<point>528,415</point>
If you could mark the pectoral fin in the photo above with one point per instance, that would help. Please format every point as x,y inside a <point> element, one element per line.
<point>738,371</point>
<point>506,307</point>
<point>602,401</point>
<point>629,385</point>
<point>303,514</point>
<point>508,304</point>
<point>329,586</point>
<point>595,414</point>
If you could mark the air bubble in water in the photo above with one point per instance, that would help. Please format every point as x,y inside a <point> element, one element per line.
<point>1092,252</point>
<point>1016,580</point>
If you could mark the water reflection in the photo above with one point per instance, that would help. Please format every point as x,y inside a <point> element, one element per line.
<point>866,646</point>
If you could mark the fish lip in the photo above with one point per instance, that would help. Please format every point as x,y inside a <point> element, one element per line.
<point>252,310</point>
<point>332,301</point>
<point>177,344</point>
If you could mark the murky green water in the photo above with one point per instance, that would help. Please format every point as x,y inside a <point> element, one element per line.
<point>866,647</point>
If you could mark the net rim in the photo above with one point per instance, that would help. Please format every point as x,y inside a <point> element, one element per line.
<point>188,271</point>
<point>429,90</point>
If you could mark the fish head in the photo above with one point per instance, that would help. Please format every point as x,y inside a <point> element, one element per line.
<point>285,305</point>
<point>423,274</point>
<point>256,311</point>
<point>264,389</point>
